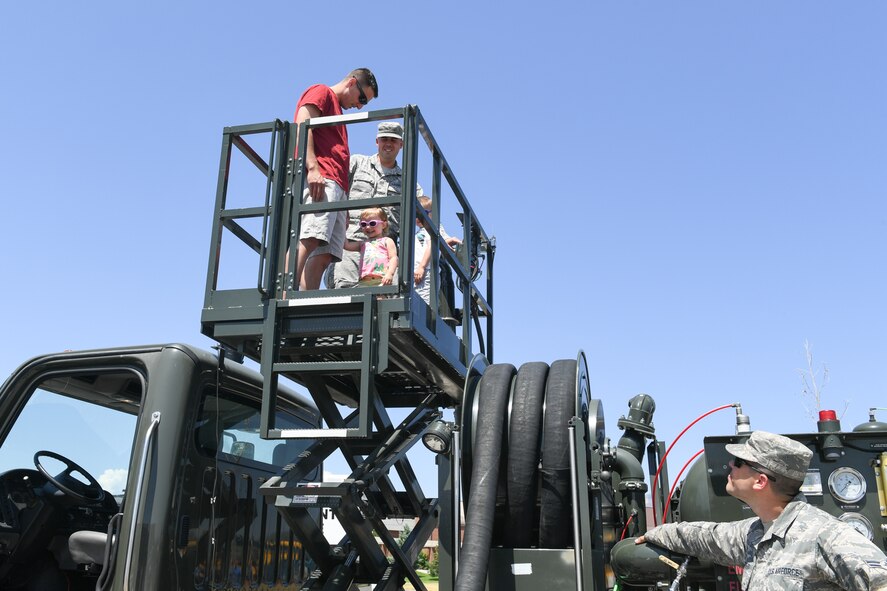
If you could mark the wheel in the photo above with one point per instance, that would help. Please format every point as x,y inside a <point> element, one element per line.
<point>522,462</point>
<point>555,522</point>
<point>65,481</point>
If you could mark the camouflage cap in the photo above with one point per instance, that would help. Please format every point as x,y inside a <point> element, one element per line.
<point>390,129</point>
<point>778,454</point>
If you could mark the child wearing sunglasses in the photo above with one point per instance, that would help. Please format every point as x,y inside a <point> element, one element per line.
<point>378,254</point>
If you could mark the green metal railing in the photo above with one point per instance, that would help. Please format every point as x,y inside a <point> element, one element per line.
<point>255,317</point>
<point>280,212</point>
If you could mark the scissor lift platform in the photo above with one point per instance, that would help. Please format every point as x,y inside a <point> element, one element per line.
<point>326,334</point>
<point>362,350</point>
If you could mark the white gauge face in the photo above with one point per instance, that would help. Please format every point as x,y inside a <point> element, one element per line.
<point>859,523</point>
<point>846,485</point>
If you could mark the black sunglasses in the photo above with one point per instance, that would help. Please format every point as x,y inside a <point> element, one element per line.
<point>739,463</point>
<point>361,97</point>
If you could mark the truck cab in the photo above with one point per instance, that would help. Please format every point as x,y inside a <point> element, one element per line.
<point>139,468</point>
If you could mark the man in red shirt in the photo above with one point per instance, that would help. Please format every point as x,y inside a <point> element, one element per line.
<point>326,167</point>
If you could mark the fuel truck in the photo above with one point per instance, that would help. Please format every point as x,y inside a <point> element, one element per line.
<point>165,467</point>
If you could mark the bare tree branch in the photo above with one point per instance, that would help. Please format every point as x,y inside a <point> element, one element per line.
<point>811,392</point>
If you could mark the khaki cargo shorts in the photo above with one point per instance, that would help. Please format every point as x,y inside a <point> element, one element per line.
<point>327,226</point>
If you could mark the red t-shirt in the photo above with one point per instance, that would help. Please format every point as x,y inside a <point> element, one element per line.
<point>330,143</point>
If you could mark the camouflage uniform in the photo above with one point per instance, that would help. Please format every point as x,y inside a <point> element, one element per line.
<point>805,548</point>
<point>368,179</point>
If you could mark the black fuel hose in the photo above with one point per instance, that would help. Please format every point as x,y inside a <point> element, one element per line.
<point>555,516</point>
<point>522,463</point>
<point>494,389</point>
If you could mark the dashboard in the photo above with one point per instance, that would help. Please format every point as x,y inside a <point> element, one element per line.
<point>27,499</point>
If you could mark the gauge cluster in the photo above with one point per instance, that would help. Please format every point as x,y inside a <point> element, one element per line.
<point>848,488</point>
<point>17,495</point>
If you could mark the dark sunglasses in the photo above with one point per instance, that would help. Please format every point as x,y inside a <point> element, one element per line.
<point>361,97</point>
<point>370,224</point>
<point>739,463</point>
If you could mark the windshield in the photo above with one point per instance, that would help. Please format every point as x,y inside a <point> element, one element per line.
<point>229,429</point>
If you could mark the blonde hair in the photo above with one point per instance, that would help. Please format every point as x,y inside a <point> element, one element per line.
<point>374,212</point>
<point>424,203</point>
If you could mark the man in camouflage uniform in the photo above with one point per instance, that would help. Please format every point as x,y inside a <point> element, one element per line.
<point>371,176</point>
<point>790,544</point>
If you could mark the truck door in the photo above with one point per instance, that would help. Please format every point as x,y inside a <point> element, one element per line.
<point>66,438</point>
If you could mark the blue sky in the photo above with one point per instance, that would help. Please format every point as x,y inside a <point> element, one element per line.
<point>687,191</point>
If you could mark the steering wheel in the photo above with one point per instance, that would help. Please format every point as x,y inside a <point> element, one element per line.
<point>91,491</point>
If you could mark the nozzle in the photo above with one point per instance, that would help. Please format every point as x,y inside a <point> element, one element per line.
<point>743,423</point>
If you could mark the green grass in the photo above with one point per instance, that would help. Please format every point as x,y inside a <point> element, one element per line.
<point>425,577</point>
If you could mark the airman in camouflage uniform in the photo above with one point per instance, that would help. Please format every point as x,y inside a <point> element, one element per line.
<point>790,544</point>
<point>371,176</point>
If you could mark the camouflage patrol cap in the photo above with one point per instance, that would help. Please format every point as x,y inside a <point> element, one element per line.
<point>390,129</point>
<point>778,454</point>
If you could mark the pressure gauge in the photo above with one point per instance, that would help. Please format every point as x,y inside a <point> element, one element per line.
<point>859,523</point>
<point>846,485</point>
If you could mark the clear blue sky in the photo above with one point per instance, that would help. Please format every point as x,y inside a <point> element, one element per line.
<point>687,191</point>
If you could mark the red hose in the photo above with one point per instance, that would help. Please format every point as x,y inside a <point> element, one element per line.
<point>625,529</point>
<point>668,451</point>
<point>676,480</point>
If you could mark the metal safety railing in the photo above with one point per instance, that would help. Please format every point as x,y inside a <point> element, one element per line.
<point>280,213</point>
<point>257,316</point>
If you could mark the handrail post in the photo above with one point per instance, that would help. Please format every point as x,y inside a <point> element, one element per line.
<point>140,479</point>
